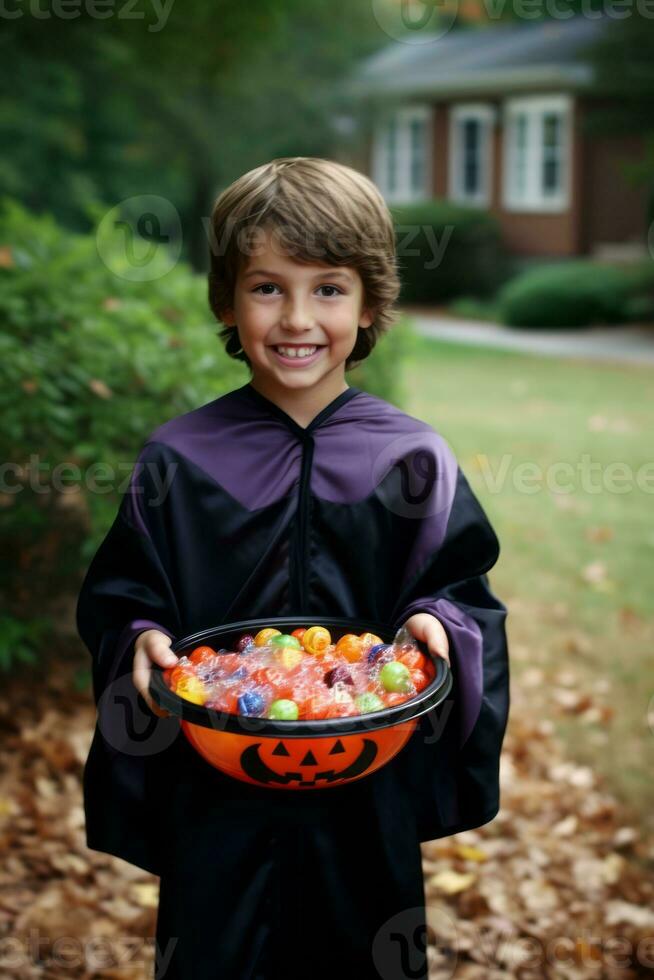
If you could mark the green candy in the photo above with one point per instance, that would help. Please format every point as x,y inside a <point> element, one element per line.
<point>368,702</point>
<point>284,640</point>
<point>283,709</point>
<point>395,676</point>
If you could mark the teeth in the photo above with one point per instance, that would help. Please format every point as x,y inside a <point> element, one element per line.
<point>296,351</point>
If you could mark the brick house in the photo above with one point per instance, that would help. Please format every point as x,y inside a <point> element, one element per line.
<point>493,116</point>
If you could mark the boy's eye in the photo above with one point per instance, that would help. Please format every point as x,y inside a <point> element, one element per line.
<point>264,285</point>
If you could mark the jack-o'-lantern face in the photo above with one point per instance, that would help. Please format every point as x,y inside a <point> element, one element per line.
<point>308,763</point>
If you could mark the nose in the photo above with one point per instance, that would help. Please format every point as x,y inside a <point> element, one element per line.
<point>296,315</point>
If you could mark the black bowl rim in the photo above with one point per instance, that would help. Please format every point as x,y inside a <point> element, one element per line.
<point>198,714</point>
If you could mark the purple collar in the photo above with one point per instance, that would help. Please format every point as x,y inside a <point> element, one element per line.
<point>283,416</point>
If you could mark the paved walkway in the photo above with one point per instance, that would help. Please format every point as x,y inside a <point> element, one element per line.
<point>625,345</point>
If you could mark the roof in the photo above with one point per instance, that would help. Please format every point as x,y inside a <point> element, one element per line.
<point>524,55</point>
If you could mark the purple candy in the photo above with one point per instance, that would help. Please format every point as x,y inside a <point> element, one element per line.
<point>376,651</point>
<point>250,703</point>
<point>339,674</point>
<point>246,641</point>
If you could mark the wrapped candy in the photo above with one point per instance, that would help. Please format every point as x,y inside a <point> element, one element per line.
<point>304,674</point>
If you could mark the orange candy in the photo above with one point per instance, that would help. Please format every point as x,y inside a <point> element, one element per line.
<point>201,655</point>
<point>177,673</point>
<point>276,678</point>
<point>350,647</point>
<point>413,659</point>
<point>419,678</point>
<point>370,639</point>
<point>341,709</point>
<point>225,702</point>
<point>396,697</point>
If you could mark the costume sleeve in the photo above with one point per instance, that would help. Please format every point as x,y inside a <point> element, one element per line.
<point>453,550</point>
<point>127,589</point>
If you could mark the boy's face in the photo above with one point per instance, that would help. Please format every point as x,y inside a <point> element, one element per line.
<point>280,302</point>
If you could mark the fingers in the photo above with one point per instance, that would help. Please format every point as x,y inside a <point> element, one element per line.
<point>157,646</point>
<point>437,640</point>
<point>151,646</point>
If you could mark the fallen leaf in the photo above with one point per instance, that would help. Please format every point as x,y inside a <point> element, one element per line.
<point>451,882</point>
<point>600,533</point>
<point>146,894</point>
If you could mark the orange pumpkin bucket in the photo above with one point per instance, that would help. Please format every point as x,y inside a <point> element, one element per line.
<point>299,754</point>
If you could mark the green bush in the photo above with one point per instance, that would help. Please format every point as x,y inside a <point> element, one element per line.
<point>578,293</point>
<point>458,251</point>
<point>90,364</point>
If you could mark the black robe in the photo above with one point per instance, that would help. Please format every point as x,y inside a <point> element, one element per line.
<point>235,511</point>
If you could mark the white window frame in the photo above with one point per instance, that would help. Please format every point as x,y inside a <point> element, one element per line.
<point>535,108</point>
<point>402,118</point>
<point>484,114</point>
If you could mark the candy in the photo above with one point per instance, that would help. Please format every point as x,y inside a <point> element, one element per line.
<point>316,640</point>
<point>245,643</point>
<point>395,676</point>
<point>251,703</point>
<point>202,655</point>
<point>350,647</point>
<point>337,675</point>
<point>287,657</point>
<point>280,677</point>
<point>418,678</point>
<point>376,651</point>
<point>368,702</point>
<point>370,639</point>
<point>412,658</point>
<point>263,636</point>
<point>285,640</point>
<point>283,709</point>
<point>191,689</point>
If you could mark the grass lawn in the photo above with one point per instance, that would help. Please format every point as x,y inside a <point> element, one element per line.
<point>577,562</point>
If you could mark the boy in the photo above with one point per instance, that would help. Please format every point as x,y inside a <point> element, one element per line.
<point>294,494</point>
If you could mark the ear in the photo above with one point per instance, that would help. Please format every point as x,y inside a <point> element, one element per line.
<point>366,318</point>
<point>227,317</point>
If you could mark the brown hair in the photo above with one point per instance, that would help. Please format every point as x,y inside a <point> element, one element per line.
<point>331,213</point>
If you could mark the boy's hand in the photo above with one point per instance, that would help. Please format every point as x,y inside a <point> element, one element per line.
<point>151,646</point>
<point>430,630</point>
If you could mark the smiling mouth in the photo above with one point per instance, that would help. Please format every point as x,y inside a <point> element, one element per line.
<point>297,350</point>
